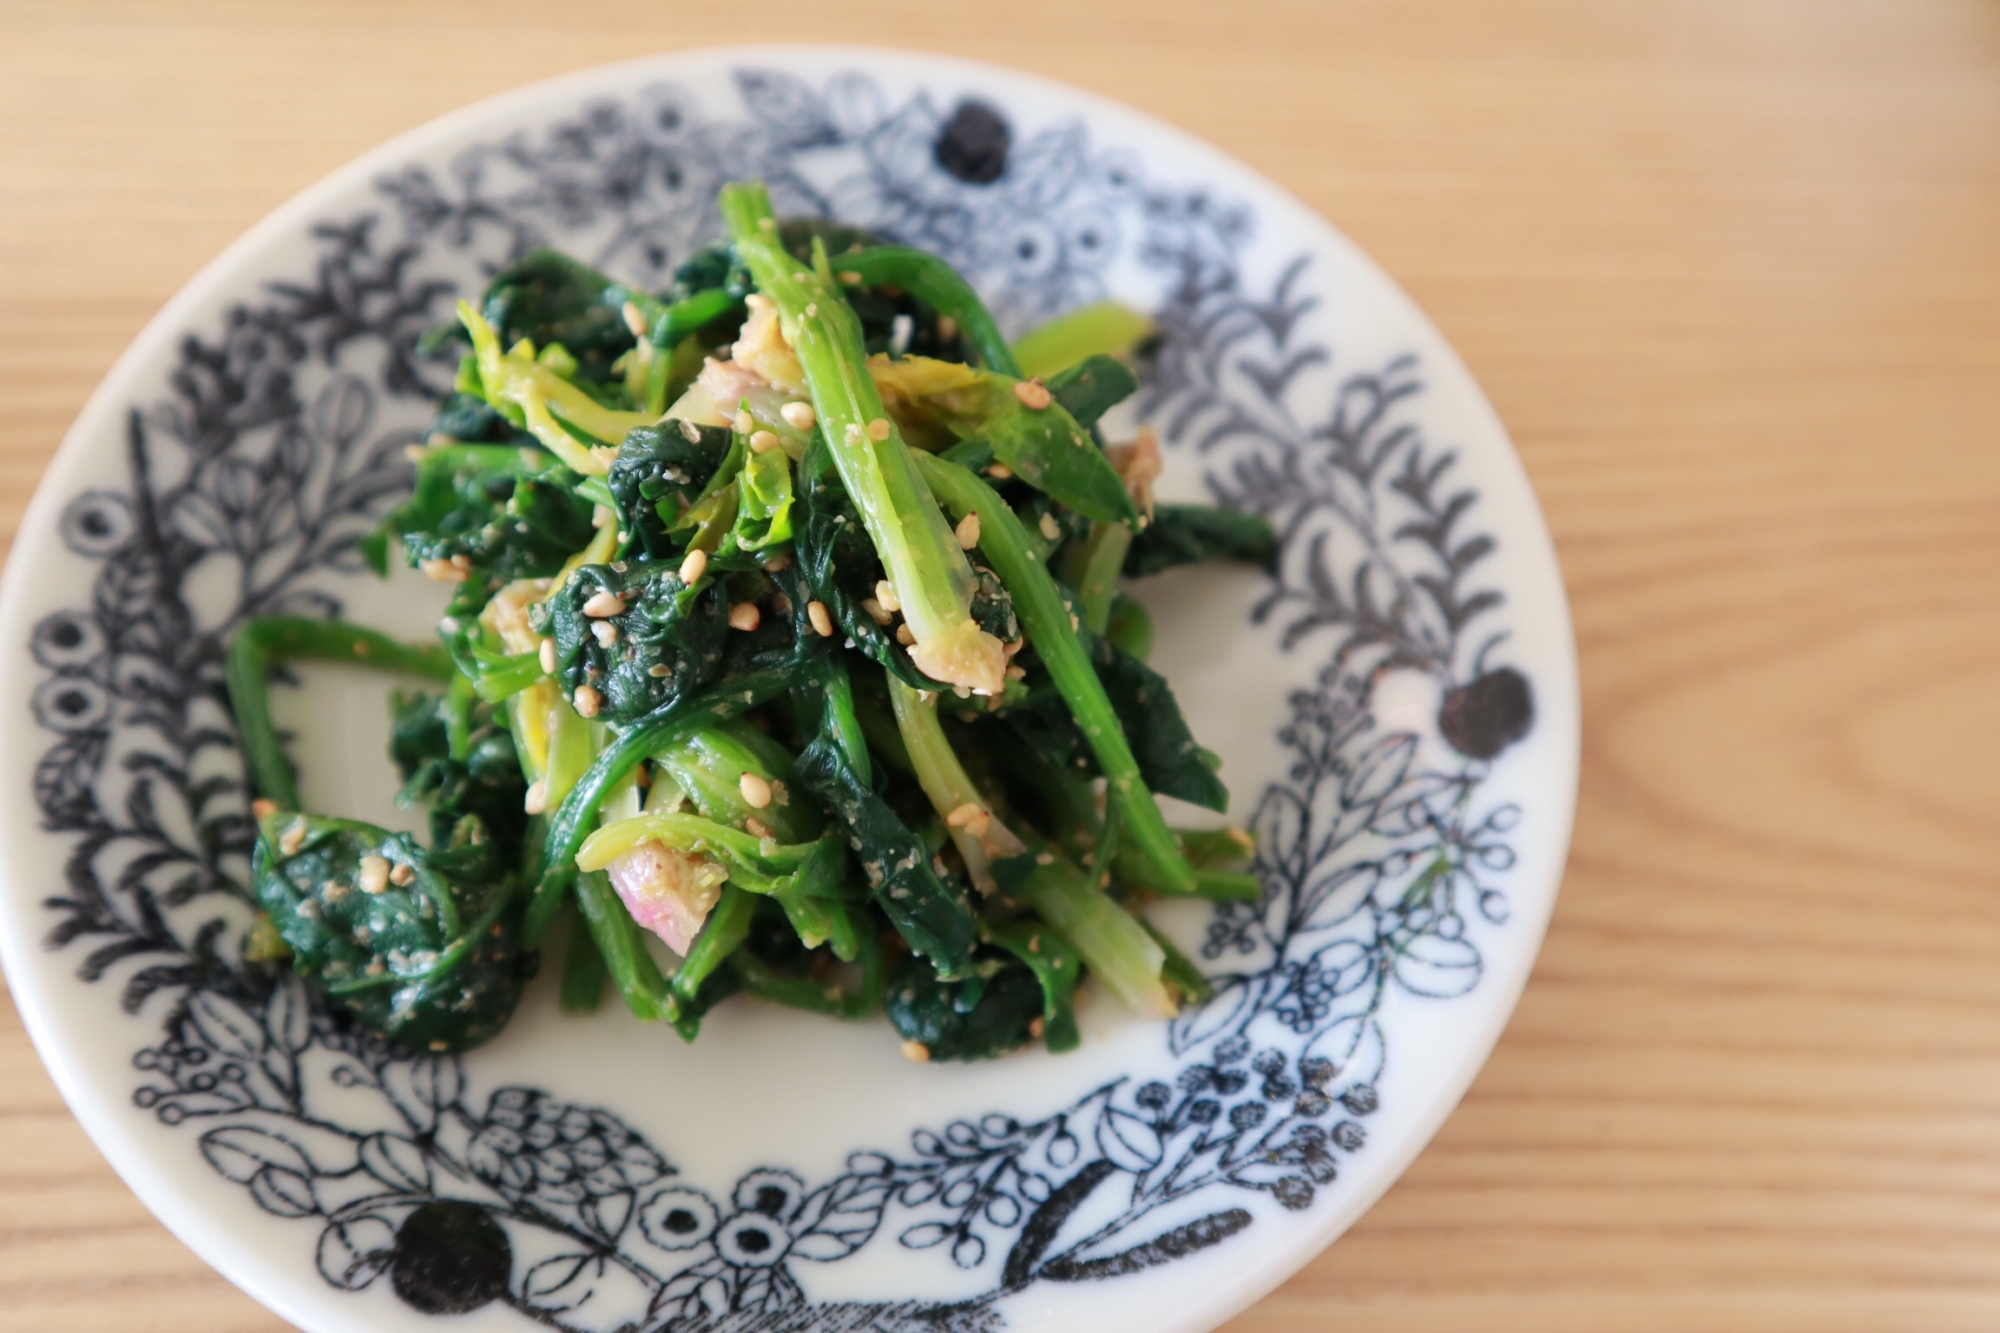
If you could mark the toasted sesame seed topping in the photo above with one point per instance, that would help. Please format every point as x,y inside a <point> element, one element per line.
<point>1045,859</point>
<point>885,593</point>
<point>878,429</point>
<point>947,328</point>
<point>822,623</point>
<point>964,814</point>
<point>756,791</point>
<point>968,531</point>
<point>605,633</point>
<point>690,432</point>
<point>1033,394</point>
<point>444,571</point>
<point>634,319</point>
<point>754,826</point>
<point>587,700</point>
<point>799,416</point>
<point>1017,673</point>
<point>757,301</point>
<point>293,838</point>
<point>999,471</point>
<point>916,1052</point>
<point>744,423</point>
<point>745,616</point>
<point>876,611</point>
<point>659,671</point>
<point>904,635</point>
<point>852,435</point>
<point>262,808</point>
<point>763,442</point>
<point>602,604</point>
<point>547,653</point>
<point>849,276</point>
<point>694,565</point>
<point>401,875</point>
<point>1050,528</point>
<point>537,799</point>
<point>374,876</point>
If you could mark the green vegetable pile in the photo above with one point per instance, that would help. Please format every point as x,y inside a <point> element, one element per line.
<point>787,627</point>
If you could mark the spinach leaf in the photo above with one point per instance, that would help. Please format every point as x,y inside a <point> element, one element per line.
<point>1169,759</point>
<point>659,472</point>
<point>1192,534</point>
<point>1092,387</point>
<point>665,639</point>
<point>418,945</point>
<point>475,773</point>
<point>504,512</point>
<point>990,1011</point>
<point>547,297</point>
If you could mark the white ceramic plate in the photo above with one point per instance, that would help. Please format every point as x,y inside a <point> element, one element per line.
<point>1397,709</point>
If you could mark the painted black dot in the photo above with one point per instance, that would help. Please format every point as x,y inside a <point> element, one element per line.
<point>94,522</point>
<point>680,1221</point>
<point>771,1200</point>
<point>669,118</point>
<point>1486,715</point>
<point>973,144</point>
<point>72,703</point>
<point>1027,249</point>
<point>450,1257</point>
<point>65,634</point>
<point>752,1241</point>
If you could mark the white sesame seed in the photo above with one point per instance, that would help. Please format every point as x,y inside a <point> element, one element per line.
<point>763,442</point>
<point>548,656</point>
<point>1050,528</point>
<point>849,276</point>
<point>293,838</point>
<point>799,416</point>
<point>402,874</point>
<point>812,309</point>
<point>822,623</point>
<point>968,531</point>
<point>963,815</point>
<point>745,423</point>
<point>904,636</point>
<point>744,616</point>
<point>692,567</point>
<point>602,604</point>
<point>1032,394</point>
<point>916,1052</point>
<point>659,671</point>
<point>587,700</point>
<point>947,328</point>
<point>757,301</point>
<point>876,611</point>
<point>605,633</point>
<point>444,571</point>
<point>634,319</point>
<point>999,472</point>
<point>374,876</point>
<point>756,791</point>
<point>878,429</point>
<point>1045,858</point>
<point>537,799</point>
<point>885,593</point>
<point>852,435</point>
<point>754,826</point>
<point>1017,673</point>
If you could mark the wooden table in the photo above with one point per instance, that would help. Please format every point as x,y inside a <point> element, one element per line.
<point>1731,272</point>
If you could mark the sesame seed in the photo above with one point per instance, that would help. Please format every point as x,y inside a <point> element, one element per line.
<point>262,808</point>
<point>1036,1027</point>
<point>634,320</point>
<point>778,563</point>
<point>756,791</point>
<point>963,814</point>
<point>444,571</point>
<point>916,1052</point>
<point>1045,859</point>
<point>744,616</point>
<point>745,423</point>
<point>968,531</point>
<point>947,328</point>
<point>757,301</point>
<point>850,277</point>
<point>604,632</point>
<point>587,700</point>
<point>763,442</point>
<point>1242,838</point>
<point>402,875</point>
<point>374,876</point>
<point>692,567</point>
<point>659,671</point>
<point>822,623</point>
<point>878,429</point>
<point>448,625</point>
<point>1049,527</point>
<point>1017,673</point>
<point>293,838</point>
<point>602,604</point>
<point>1033,394</point>
<point>1015,647</point>
<point>548,656</point>
<point>754,826</point>
<point>799,416</point>
<point>885,593</point>
<point>876,611</point>
<point>690,432</point>
<point>1000,472</point>
<point>904,636</point>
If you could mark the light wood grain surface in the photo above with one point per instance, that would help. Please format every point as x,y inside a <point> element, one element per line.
<point>1731,273</point>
